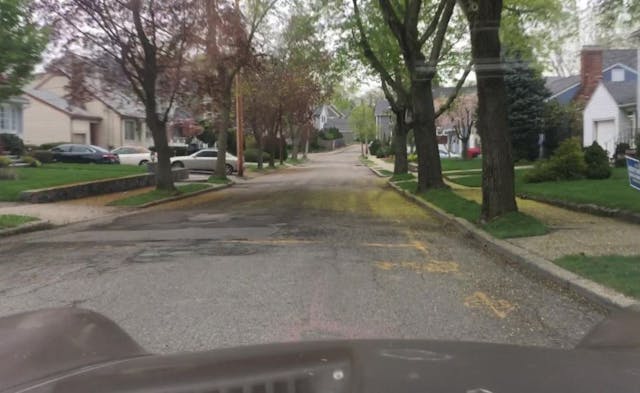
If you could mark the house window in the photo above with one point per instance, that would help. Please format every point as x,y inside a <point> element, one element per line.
<point>9,120</point>
<point>129,130</point>
<point>617,75</point>
<point>3,118</point>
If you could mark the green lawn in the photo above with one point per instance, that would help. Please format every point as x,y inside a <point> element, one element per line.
<point>474,179</point>
<point>217,180</point>
<point>614,192</point>
<point>12,220</point>
<point>508,226</point>
<point>457,164</point>
<point>155,195</point>
<point>50,175</point>
<point>614,271</point>
<point>403,177</point>
<point>384,172</point>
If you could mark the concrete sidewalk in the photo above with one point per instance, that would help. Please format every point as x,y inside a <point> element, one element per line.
<point>571,232</point>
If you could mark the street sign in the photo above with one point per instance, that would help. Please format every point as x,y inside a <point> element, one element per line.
<point>633,167</point>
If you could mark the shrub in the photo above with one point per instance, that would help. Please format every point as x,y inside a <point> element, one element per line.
<point>251,155</point>
<point>34,163</point>
<point>374,146</point>
<point>330,134</point>
<point>618,156</point>
<point>384,151</point>
<point>4,162</point>
<point>49,146</point>
<point>567,163</point>
<point>597,162</point>
<point>272,145</point>
<point>11,143</point>
<point>44,156</point>
<point>412,157</point>
<point>8,174</point>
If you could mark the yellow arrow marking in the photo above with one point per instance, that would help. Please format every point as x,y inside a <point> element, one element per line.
<point>501,308</point>
<point>442,267</point>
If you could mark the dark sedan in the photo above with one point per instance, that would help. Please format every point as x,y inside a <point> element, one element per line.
<point>83,154</point>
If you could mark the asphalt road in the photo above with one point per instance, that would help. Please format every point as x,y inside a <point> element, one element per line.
<point>323,251</point>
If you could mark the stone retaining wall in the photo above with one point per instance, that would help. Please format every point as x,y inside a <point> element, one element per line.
<point>97,187</point>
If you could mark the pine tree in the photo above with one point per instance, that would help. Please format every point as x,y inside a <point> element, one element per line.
<point>526,94</point>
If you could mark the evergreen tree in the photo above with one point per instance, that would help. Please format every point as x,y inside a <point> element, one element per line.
<point>526,94</point>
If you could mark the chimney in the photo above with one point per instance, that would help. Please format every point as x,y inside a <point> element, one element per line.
<point>590,71</point>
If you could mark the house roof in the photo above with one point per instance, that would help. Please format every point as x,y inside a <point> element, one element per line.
<point>558,84</point>
<point>623,92</point>
<point>60,104</point>
<point>446,91</point>
<point>382,107</point>
<point>628,57</point>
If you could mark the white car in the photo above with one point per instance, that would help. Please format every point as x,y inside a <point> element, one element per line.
<point>133,155</point>
<point>205,160</point>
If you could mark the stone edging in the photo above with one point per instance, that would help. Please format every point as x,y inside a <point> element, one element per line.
<point>184,196</point>
<point>27,227</point>
<point>541,267</point>
<point>596,210</point>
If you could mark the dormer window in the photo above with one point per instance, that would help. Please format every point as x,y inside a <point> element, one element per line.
<point>617,75</point>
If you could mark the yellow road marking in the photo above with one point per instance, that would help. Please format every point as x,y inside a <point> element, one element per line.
<point>384,245</point>
<point>500,307</point>
<point>442,267</point>
<point>418,245</point>
<point>420,267</point>
<point>273,241</point>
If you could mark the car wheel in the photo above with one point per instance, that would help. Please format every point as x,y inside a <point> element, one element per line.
<point>228,169</point>
<point>143,162</point>
<point>177,164</point>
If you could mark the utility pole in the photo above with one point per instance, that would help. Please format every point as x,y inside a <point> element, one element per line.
<point>239,118</point>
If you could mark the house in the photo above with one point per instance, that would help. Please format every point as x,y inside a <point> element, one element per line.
<point>328,116</point>
<point>610,115</point>
<point>596,64</point>
<point>385,119</point>
<point>108,119</point>
<point>11,116</point>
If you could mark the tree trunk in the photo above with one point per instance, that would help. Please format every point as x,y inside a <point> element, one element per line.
<point>424,128</point>
<point>465,148</point>
<point>164,177</point>
<point>306,142</point>
<point>225,125</point>
<point>498,186</point>
<point>260,148</point>
<point>281,147</point>
<point>401,162</point>
<point>295,142</point>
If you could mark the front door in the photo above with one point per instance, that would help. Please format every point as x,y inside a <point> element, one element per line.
<point>93,128</point>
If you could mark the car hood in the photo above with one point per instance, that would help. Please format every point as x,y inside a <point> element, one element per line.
<point>73,350</point>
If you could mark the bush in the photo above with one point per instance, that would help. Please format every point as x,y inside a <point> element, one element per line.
<point>272,145</point>
<point>618,157</point>
<point>330,134</point>
<point>8,174</point>
<point>567,163</point>
<point>44,156</point>
<point>384,151</point>
<point>412,158</point>
<point>34,163</point>
<point>597,162</point>
<point>49,146</point>
<point>11,143</point>
<point>374,146</point>
<point>251,155</point>
<point>4,162</point>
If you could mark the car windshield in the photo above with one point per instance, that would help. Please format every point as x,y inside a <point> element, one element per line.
<point>441,170</point>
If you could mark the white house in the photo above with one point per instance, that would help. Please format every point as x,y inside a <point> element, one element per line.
<point>11,116</point>
<point>327,116</point>
<point>610,115</point>
<point>109,119</point>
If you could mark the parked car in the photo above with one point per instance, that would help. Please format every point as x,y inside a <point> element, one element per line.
<point>474,152</point>
<point>205,160</point>
<point>133,155</point>
<point>83,154</point>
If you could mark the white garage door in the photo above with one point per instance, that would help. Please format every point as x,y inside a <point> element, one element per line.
<point>605,134</point>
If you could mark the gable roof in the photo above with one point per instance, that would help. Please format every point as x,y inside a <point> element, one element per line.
<point>628,57</point>
<point>624,93</point>
<point>61,104</point>
<point>559,84</point>
<point>339,123</point>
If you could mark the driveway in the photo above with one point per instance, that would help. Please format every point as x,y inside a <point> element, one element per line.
<point>321,251</point>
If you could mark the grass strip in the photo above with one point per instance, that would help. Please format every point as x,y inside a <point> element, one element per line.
<point>621,273</point>
<point>14,220</point>
<point>141,199</point>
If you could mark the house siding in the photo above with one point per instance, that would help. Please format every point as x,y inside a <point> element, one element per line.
<point>601,107</point>
<point>567,96</point>
<point>628,74</point>
<point>44,124</point>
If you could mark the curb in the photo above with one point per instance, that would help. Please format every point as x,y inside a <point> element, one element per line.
<point>377,173</point>
<point>184,196</point>
<point>25,228</point>
<point>535,264</point>
<point>622,215</point>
